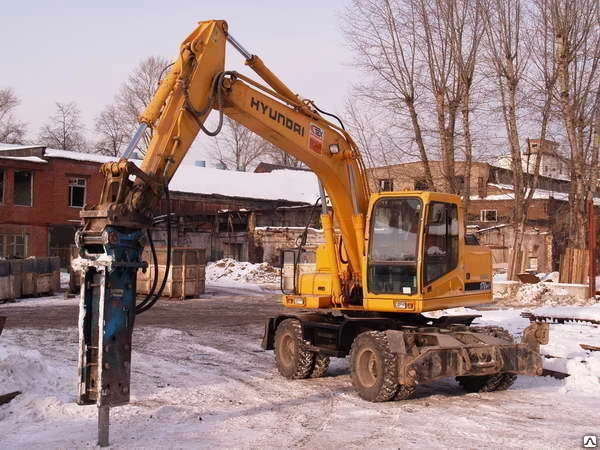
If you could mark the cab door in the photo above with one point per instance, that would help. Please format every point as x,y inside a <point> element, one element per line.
<point>441,271</point>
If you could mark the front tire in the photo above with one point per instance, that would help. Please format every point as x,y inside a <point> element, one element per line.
<point>293,360</point>
<point>373,367</point>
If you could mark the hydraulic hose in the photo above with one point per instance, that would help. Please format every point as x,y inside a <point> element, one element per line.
<point>142,308</point>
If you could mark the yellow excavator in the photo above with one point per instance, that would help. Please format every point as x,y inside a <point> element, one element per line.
<point>387,257</point>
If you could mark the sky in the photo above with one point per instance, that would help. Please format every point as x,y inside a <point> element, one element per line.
<point>81,51</point>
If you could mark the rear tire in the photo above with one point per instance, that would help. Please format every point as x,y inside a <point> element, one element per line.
<point>488,383</point>
<point>373,367</point>
<point>320,366</point>
<point>292,358</point>
<point>404,392</point>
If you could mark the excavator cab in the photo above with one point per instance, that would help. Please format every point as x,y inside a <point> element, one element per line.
<point>394,245</point>
<point>416,259</point>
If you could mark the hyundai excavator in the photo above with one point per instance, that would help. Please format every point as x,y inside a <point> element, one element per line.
<point>387,259</point>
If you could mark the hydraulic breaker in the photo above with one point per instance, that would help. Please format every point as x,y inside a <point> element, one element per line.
<point>109,262</point>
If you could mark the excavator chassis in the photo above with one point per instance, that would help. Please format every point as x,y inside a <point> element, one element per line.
<point>421,348</point>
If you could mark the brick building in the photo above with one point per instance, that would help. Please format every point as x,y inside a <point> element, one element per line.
<point>42,191</point>
<point>41,194</point>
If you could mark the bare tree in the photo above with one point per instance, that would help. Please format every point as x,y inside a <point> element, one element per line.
<point>279,157</point>
<point>465,22</point>
<point>64,130</point>
<point>113,130</point>
<point>420,57</point>
<point>445,85</point>
<point>509,58</point>
<point>576,28</point>
<point>364,126</point>
<point>382,35</point>
<point>138,90</point>
<point>11,130</point>
<point>525,77</point>
<point>236,147</point>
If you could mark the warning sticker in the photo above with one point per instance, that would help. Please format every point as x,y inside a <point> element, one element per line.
<point>315,138</point>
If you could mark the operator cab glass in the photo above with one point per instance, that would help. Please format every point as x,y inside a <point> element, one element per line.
<point>441,240</point>
<point>394,240</point>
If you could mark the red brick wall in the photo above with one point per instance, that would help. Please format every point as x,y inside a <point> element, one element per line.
<point>37,237</point>
<point>50,198</point>
<point>50,191</point>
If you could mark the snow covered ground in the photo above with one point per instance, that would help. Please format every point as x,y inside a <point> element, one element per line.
<point>206,383</point>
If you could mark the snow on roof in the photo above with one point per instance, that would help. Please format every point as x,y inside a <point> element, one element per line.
<point>291,185</point>
<point>505,162</point>
<point>539,194</point>
<point>33,159</point>
<point>508,187</point>
<point>46,152</point>
<point>18,146</point>
<point>79,156</point>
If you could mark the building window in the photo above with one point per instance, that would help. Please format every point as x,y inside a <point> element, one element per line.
<point>23,191</point>
<point>77,192</point>
<point>489,215</point>
<point>421,185</point>
<point>386,185</point>
<point>13,245</point>
<point>1,185</point>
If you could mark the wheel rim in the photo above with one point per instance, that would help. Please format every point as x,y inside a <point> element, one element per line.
<point>367,367</point>
<point>288,348</point>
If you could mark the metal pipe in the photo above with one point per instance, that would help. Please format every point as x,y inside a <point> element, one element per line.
<point>134,140</point>
<point>592,247</point>
<point>352,182</point>
<point>103,425</point>
<point>323,198</point>
<point>245,53</point>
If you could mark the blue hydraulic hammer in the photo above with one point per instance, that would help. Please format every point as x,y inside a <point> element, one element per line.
<point>109,263</point>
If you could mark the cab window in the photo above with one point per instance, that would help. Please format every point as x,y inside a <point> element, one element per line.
<point>394,239</point>
<point>441,240</point>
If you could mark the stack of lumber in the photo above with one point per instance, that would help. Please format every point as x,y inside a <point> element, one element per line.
<point>574,265</point>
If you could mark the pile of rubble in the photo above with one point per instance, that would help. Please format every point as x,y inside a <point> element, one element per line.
<point>231,270</point>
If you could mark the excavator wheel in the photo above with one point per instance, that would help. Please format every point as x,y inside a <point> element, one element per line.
<point>293,360</point>
<point>320,366</point>
<point>373,367</point>
<point>404,392</point>
<point>495,382</point>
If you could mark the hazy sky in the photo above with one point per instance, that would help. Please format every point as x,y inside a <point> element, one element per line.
<point>82,51</point>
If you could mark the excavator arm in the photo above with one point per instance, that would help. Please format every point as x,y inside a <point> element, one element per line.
<point>195,86</point>
<point>112,236</point>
